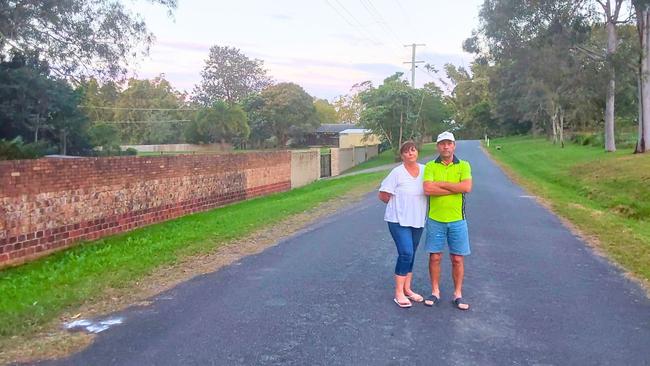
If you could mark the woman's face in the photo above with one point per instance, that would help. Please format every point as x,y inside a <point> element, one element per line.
<point>410,155</point>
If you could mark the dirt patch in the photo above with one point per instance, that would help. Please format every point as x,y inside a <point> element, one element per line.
<point>52,341</point>
<point>591,240</point>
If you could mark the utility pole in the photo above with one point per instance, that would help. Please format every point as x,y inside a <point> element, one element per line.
<point>413,62</point>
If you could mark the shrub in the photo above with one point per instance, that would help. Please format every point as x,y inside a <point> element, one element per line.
<point>17,149</point>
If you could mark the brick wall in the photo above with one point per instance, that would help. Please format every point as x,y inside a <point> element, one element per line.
<point>50,204</point>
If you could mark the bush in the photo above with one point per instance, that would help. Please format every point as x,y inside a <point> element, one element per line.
<point>130,151</point>
<point>17,149</point>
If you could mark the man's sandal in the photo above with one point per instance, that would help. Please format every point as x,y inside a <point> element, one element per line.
<point>402,305</point>
<point>415,297</point>
<point>431,300</point>
<point>460,304</point>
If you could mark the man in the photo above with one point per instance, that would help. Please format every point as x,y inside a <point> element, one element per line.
<point>446,181</point>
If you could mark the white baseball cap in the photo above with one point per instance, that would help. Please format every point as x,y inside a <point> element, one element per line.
<point>446,136</point>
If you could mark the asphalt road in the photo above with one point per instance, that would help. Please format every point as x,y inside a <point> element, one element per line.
<point>539,296</point>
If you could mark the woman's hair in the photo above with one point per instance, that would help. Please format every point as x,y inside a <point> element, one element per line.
<point>406,146</point>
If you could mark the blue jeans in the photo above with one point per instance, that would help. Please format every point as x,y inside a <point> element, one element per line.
<point>406,239</point>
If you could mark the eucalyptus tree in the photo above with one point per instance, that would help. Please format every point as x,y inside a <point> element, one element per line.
<point>76,37</point>
<point>231,76</point>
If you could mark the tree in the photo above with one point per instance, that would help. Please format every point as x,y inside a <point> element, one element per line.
<point>348,108</point>
<point>229,75</point>
<point>287,111</point>
<point>433,115</point>
<point>642,9</point>
<point>148,112</point>
<point>325,112</point>
<point>219,123</point>
<point>390,111</point>
<point>76,37</point>
<point>37,106</point>
<point>611,11</point>
<point>106,136</point>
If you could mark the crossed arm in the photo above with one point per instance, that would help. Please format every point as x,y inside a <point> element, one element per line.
<point>444,188</point>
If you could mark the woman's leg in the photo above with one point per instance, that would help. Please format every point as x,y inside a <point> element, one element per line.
<point>403,241</point>
<point>416,234</point>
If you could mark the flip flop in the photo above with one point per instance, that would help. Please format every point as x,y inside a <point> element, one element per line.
<point>415,297</point>
<point>458,302</point>
<point>431,300</point>
<point>403,305</point>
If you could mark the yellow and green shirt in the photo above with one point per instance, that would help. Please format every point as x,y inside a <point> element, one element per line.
<point>448,208</point>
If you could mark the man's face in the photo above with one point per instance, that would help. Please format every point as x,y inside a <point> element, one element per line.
<point>446,149</point>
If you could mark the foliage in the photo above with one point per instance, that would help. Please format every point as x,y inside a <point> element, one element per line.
<point>231,76</point>
<point>396,112</point>
<point>106,136</point>
<point>38,106</point>
<point>17,149</point>
<point>540,68</point>
<point>348,108</point>
<point>325,112</point>
<point>219,123</point>
<point>285,111</point>
<point>76,37</point>
<point>144,109</point>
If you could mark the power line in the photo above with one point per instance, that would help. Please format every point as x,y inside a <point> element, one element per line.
<point>146,122</point>
<point>139,109</point>
<point>374,13</point>
<point>359,27</point>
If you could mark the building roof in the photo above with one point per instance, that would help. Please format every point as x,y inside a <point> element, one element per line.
<point>355,130</point>
<point>333,127</point>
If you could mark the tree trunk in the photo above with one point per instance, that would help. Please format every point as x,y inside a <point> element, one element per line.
<point>610,143</point>
<point>554,125</point>
<point>643,26</point>
<point>640,144</point>
<point>561,127</point>
<point>401,128</point>
<point>36,128</point>
<point>64,141</point>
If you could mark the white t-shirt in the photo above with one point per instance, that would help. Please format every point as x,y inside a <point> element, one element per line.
<point>408,204</point>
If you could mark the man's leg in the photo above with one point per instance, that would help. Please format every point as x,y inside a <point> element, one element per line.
<point>435,241</point>
<point>458,248</point>
<point>457,272</point>
<point>434,273</point>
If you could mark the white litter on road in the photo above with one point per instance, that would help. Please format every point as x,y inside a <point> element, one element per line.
<point>93,326</point>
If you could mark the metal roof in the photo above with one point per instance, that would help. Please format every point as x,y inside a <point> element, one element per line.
<point>333,127</point>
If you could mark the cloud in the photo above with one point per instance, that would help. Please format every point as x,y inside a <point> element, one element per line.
<point>283,17</point>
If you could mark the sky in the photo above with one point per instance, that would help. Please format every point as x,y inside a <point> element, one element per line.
<point>326,46</point>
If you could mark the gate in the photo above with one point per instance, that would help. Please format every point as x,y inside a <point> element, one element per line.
<point>325,165</point>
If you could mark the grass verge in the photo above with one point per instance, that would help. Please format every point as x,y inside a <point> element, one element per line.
<point>388,157</point>
<point>606,196</point>
<point>36,293</point>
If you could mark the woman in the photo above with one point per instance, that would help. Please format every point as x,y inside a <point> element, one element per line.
<point>406,211</point>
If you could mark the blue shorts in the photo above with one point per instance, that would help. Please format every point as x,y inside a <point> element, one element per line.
<point>454,234</point>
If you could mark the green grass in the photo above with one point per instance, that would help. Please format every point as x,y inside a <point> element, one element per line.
<point>388,157</point>
<point>37,292</point>
<point>606,195</point>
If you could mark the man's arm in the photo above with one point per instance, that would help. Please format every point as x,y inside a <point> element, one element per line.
<point>465,186</point>
<point>434,189</point>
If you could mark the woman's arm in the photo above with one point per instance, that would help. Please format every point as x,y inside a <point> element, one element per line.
<point>384,196</point>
